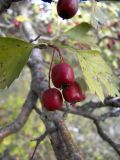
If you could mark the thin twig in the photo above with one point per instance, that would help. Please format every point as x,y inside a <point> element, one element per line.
<point>112,113</point>
<point>22,118</point>
<point>40,139</point>
<point>37,110</point>
<point>107,37</point>
<point>35,39</point>
<point>106,138</point>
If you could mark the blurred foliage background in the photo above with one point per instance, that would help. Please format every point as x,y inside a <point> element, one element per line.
<point>105,17</point>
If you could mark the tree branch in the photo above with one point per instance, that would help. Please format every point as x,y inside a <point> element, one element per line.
<point>106,138</point>
<point>86,109</point>
<point>40,139</point>
<point>39,84</point>
<point>22,118</point>
<point>107,37</point>
<point>87,112</point>
<point>110,114</point>
<point>74,152</point>
<point>60,142</point>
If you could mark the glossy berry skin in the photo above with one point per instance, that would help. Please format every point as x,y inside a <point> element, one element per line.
<point>62,74</point>
<point>73,93</point>
<point>49,1</point>
<point>66,9</point>
<point>52,99</point>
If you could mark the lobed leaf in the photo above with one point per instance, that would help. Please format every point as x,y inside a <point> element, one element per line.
<point>98,75</point>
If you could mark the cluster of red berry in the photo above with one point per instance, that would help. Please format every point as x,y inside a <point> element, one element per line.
<point>66,8</point>
<point>112,42</point>
<point>62,76</point>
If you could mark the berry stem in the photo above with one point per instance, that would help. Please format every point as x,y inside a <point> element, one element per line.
<point>59,52</point>
<point>53,53</point>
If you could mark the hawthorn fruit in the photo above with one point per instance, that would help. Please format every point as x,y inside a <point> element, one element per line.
<point>62,74</point>
<point>52,99</point>
<point>66,9</point>
<point>73,93</point>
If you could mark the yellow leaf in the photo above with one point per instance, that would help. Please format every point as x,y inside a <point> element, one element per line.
<point>98,75</point>
<point>21,18</point>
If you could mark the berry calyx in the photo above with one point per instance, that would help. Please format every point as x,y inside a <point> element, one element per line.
<point>52,99</point>
<point>62,74</point>
<point>67,8</point>
<point>73,93</point>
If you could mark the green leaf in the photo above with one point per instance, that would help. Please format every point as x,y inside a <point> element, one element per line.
<point>14,53</point>
<point>98,75</point>
<point>80,33</point>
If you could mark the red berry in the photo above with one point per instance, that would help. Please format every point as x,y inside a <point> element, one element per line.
<point>73,93</point>
<point>113,41</point>
<point>118,34</point>
<point>52,99</point>
<point>109,45</point>
<point>62,74</point>
<point>67,8</point>
<point>16,23</point>
<point>49,28</point>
